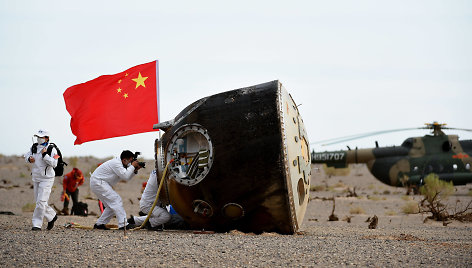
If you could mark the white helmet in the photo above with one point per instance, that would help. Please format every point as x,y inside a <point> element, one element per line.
<point>42,133</point>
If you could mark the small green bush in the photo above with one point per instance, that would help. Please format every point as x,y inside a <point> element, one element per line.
<point>435,188</point>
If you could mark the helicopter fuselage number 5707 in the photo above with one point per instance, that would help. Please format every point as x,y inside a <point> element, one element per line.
<point>329,156</point>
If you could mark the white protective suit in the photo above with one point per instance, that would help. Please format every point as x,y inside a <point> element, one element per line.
<point>159,215</point>
<point>43,178</point>
<point>102,180</point>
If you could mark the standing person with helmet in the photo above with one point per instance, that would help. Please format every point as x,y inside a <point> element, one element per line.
<point>104,178</point>
<point>42,173</point>
<point>71,183</point>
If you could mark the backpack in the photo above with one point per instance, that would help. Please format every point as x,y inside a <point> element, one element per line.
<point>59,169</point>
<point>80,209</point>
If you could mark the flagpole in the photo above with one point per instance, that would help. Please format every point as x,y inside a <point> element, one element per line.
<point>157,93</point>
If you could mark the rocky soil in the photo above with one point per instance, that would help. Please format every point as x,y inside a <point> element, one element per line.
<point>399,239</point>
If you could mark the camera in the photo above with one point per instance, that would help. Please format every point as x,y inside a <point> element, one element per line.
<point>141,164</point>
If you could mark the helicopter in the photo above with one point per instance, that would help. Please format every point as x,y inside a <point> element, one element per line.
<point>408,164</point>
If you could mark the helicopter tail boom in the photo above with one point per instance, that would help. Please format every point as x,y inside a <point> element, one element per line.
<point>340,159</point>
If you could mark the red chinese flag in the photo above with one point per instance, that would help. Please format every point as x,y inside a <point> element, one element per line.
<point>115,105</point>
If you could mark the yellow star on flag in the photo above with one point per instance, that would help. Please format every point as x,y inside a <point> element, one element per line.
<point>140,80</point>
<point>118,90</point>
<point>119,81</point>
<point>125,95</point>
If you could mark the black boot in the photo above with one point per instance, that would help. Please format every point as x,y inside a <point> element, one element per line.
<point>100,226</point>
<point>131,220</point>
<point>51,223</point>
<point>128,227</point>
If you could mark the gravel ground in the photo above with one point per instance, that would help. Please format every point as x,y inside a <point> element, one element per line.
<point>428,245</point>
<point>399,240</point>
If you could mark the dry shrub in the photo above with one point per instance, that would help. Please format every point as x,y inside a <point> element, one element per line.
<point>435,191</point>
<point>411,207</point>
<point>351,193</point>
<point>356,210</point>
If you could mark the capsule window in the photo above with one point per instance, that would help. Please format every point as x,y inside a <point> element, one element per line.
<point>454,167</point>
<point>467,166</point>
<point>192,151</point>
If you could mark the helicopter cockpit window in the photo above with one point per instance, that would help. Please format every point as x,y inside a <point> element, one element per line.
<point>454,167</point>
<point>446,146</point>
<point>192,152</point>
<point>408,143</point>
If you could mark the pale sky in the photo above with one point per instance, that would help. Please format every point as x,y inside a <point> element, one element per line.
<point>354,66</point>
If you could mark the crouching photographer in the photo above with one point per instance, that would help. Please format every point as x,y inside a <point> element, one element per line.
<point>108,175</point>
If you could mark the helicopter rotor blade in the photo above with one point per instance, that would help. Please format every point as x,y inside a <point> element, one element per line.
<point>363,135</point>
<point>463,129</point>
<point>358,136</point>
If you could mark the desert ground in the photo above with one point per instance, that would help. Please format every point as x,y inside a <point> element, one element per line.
<point>399,239</point>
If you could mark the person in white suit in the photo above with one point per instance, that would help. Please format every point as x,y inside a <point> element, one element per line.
<point>42,173</point>
<point>104,178</point>
<point>159,215</point>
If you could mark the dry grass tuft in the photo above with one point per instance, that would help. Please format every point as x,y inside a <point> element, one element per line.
<point>373,198</point>
<point>391,213</point>
<point>411,208</point>
<point>29,207</point>
<point>406,198</point>
<point>356,210</point>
